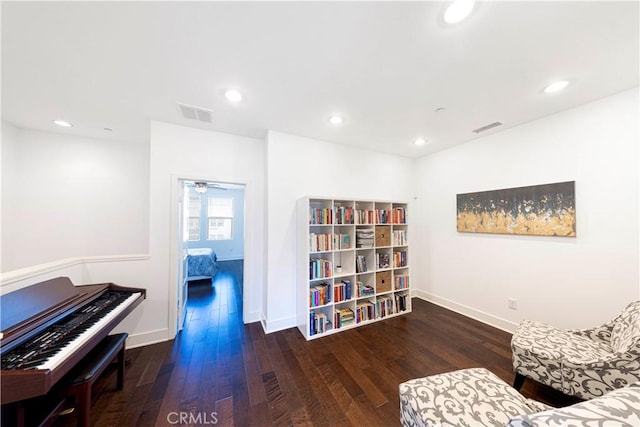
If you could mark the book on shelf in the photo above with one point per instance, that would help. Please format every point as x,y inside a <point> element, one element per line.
<point>365,216</point>
<point>318,323</point>
<point>319,295</point>
<point>320,216</point>
<point>320,242</point>
<point>401,282</point>
<point>343,215</point>
<point>342,291</point>
<point>383,216</point>
<point>400,259</point>
<point>384,306</point>
<point>401,302</point>
<point>365,237</point>
<point>361,264</point>
<point>399,215</point>
<point>319,268</point>
<point>365,290</point>
<point>382,260</point>
<point>365,310</point>
<point>399,237</point>
<point>342,241</point>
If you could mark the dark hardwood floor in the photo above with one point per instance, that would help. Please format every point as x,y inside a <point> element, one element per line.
<point>219,371</point>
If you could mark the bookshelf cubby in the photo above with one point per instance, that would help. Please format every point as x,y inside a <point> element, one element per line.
<point>353,263</point>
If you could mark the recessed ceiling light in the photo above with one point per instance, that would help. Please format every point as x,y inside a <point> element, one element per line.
<point>63,123</point>
<point>233,95</point>
<point>336,120</point>
<point>556,86</point>
<point>420,142</point>
<point>458,10</point>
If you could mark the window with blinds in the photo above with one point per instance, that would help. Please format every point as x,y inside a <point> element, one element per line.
<point>194,217</point>
<point>220,218</point>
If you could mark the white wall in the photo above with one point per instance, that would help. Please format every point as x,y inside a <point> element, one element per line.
<point>570,282</point>
<point>299,166</point>
<point>66,196</point>
<point>188,153</point>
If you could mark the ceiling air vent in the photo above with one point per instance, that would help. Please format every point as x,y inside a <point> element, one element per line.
<point>487,127</point>
<point>195,113</point>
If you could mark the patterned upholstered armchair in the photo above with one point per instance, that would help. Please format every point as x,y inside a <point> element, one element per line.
<point>586,363</point>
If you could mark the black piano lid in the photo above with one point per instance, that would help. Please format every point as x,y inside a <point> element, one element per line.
<point>20,308</point>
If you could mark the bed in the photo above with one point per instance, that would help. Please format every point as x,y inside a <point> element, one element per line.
<point>201,264</point>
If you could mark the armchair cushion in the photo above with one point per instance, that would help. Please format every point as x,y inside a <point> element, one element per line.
<point>468,397</point>
<point>619,407</point>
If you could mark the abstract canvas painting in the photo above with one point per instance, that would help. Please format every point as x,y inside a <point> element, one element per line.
<point>539,210</point>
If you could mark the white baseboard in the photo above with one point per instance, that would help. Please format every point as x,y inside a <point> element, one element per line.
<point>481,316</point>
<point>279,324</point>
<point>148,338</point>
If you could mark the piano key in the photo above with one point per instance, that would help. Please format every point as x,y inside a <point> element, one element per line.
<point>85,336</point>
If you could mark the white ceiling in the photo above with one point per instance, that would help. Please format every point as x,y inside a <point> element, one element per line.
<point>385,66</point>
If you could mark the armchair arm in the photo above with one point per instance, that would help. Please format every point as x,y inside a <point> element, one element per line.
<point>592,378</point>
<point>598,334</point>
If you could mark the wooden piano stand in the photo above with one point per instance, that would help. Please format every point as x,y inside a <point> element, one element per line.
<point>78,382</point>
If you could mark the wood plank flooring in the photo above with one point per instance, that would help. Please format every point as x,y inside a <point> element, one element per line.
<point>220,371</point>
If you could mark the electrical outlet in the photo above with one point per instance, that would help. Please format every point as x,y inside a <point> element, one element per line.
<point>512,303</point>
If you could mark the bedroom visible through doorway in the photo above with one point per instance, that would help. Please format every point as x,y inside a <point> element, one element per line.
<point>212,252</point>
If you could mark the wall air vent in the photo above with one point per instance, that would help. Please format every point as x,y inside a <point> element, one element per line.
<point>487,127</point>
<point>195,113</point>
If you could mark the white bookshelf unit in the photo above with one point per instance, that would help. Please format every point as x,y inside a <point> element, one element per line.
<point>352,263</point>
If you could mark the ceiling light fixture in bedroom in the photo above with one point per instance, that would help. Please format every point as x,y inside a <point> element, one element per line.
<point>458,10</point>
<point>233,95</point>
<point>556,86</point>
<point>336,120</point>
<point>201,187</point>
<point>63,123</point>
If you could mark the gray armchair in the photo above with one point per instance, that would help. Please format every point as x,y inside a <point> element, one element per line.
<point>585,363</point>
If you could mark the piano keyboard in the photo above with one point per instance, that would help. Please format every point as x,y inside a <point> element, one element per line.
<point>59,341</point>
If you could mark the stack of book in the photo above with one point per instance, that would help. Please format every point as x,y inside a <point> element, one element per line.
<point>364,237</point>
<point>343,317</point>
<point>365,290</point>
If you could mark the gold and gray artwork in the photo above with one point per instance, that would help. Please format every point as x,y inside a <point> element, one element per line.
<point>540,210</point>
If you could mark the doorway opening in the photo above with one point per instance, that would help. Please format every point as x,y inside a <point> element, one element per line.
<point>212,254</point>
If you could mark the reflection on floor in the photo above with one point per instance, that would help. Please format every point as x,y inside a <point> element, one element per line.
<point>215,304</point>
